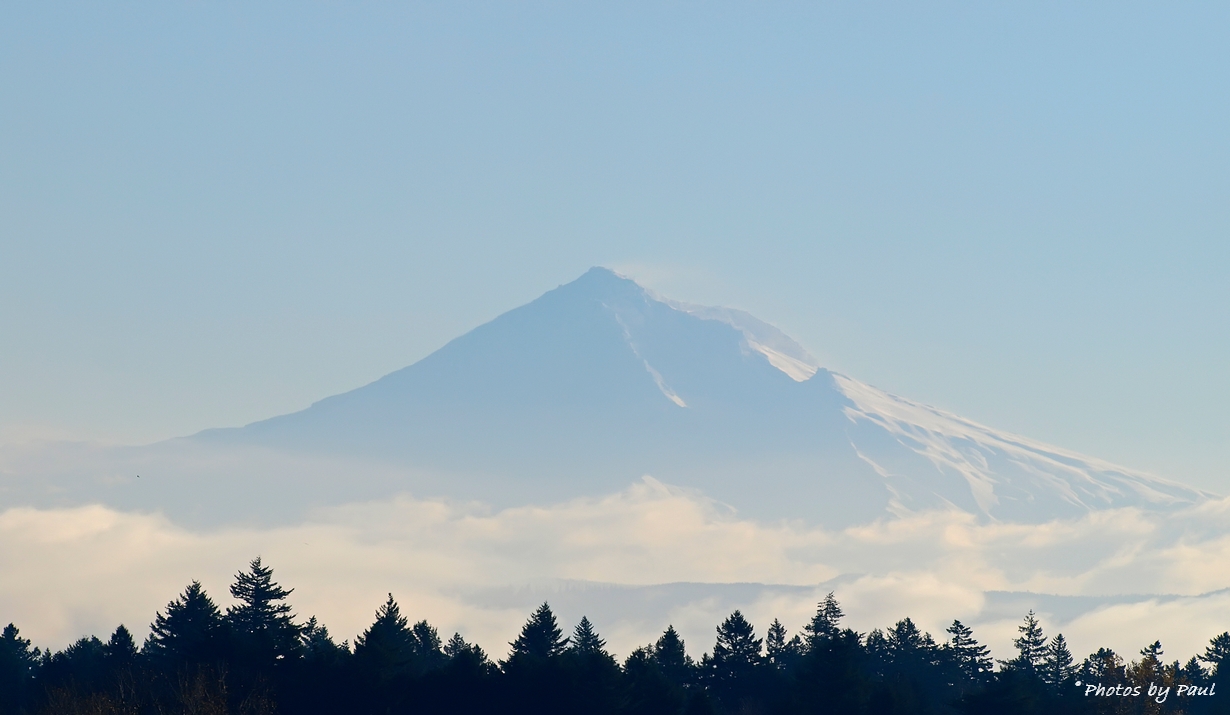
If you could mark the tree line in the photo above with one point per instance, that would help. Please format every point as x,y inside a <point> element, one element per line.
<point>255,658</point>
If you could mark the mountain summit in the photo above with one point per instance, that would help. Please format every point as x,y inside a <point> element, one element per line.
<point>599,382</point>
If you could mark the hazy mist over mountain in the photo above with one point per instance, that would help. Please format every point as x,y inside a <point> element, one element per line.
<point>599,381</point>
<point>656,460</point>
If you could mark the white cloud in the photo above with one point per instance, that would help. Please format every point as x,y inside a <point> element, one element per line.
<point>69,572</point>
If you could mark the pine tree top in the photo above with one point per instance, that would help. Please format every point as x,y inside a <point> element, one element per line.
<point>585,639</point>
<point>541,636</point>
<point>736,641</point>
<point>256,590</point>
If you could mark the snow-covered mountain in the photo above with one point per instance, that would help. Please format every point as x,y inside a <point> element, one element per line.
<point>599,381</point>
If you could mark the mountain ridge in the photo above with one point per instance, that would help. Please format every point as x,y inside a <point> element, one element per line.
<point>599,381</point>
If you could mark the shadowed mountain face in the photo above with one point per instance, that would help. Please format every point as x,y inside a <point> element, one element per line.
<point>599,382</point>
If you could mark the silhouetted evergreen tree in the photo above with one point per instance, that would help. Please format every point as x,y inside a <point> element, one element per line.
<point>670,654</point>
<point>1057,666</point>
<point>261,624</point>
<point>1216,653</point>
<point>121,649</point>
<point>1104,665</point>
<point>833,675</point>
<point>18,663</point>
<point>909,647</point>
<point>585,640</point>
<point>317,645</point>
<point>972,658</point>
<point>1030,645</point>
<point>910,666</point>
<point>782,652</point>
<point>535,671</point>
<point>1151,665</point>
<point>386,649</point>
<point>458,648</point>
<point>733,668</point>
<point>877,645</point>
<point>428,648</point>
<point>737,650</point>
<point>825,624</point>
<point>592,672</point>
<point>1194,673</point>
<point>189,633</point>
<point>540,639</point>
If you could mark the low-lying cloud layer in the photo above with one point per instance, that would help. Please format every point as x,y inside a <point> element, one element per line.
<point>74,571</point>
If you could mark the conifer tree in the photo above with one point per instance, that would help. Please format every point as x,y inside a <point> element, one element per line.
<point>457,648</point>
<point>825,625</point>
<point>671,656</point>
<point>18,663</point>
<point>1193,672</point>
<point>428,646</point>
<point>780,651</point>
<point>1057,664</point>
<point>737,650</point>
<point>317,645</point>
<point>1216,653</point>
<point>262,622</point>
<point>1151,660</point>
<point>541,637</point>
<point>1104,666</point>
<point>189,632</point>
<point>387,648</point>
<point>121,648</point>
<point>1031,645</point>
<point>877,648</point>
<point>971,658</point>
<point>905,639</point>
<point>466,658</point>
<point>585,640</point>
<point>909,649</point>
<point>82,665</point>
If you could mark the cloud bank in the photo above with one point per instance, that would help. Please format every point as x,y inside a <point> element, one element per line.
<point>466,567</point>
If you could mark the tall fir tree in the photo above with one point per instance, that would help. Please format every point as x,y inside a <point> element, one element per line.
<point>540,638</point>
<point>671,656</point>
<point>909,649</point>
<point>190,632</point>
<point>429,649</point>
<point>457,649</point>
<point>585,640</point>
<point>1151,664</point>
<point>387,648</point>
<point>876,646</point>
<point>1216,653</point>
<point>781,652</point>
<point>971,657</point>
<point>318,646</point>
<point>121,648</point>
<point>1193,672</point>
<point>1104,666</point>
<point>1057,666</point>
<point>737,650</point>
<point>18,664</point>
<point>262,623</point>
<point>1030,645</point>
<point>825,625</point>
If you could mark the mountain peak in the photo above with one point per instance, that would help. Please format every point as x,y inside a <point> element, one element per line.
<point>600,282</point>
<point>601,381</point>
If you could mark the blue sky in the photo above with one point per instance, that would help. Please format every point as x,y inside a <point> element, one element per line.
<point>211,213</point>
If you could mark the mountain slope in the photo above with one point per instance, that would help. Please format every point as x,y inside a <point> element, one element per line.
<point>598,382</point>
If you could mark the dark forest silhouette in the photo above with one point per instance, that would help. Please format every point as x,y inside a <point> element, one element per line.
<point>255,658</point>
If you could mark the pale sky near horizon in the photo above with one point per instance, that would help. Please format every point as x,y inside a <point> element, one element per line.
<point>211,213</point>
